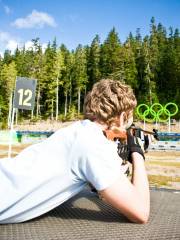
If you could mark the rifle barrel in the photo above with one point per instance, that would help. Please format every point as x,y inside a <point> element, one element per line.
<point>148,132</point>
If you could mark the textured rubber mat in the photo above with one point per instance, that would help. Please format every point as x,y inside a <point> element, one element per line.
<point>87,217</point>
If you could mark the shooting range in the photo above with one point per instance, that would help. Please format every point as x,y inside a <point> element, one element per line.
<point>54,114</point>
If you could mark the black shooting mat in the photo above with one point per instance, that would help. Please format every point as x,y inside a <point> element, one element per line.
<point>85,216</point>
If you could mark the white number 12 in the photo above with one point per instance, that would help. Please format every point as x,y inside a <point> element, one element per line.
<point>22,93</point>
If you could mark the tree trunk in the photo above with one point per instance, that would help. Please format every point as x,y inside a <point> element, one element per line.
<point>65,107</point>
<point>149,83</point>
<point>150,94</point>
<point>16,116</point>
<point>32,114</point>
<point>57,97</point>
<point>38,98</point>
<point>10,110</point>
<point>70,97</point>
<point>85,91</point>
<point>52,110</point>
<point>79,100</point>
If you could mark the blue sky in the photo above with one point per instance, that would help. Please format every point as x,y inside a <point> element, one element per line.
<point>78,21</point>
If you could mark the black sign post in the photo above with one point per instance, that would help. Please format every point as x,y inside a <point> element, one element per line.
<point>24,98</point>
<point>24,94</point>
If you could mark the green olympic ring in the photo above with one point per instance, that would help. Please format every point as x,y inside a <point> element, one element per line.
<point>146,112</point>
<point>159,112</point>
<point>156,110</point>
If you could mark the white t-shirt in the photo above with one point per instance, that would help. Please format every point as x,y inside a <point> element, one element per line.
<point>48,173</point>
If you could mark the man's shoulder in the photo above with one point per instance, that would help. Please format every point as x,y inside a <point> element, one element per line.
<point>68,128</point>
<point>91,138</point>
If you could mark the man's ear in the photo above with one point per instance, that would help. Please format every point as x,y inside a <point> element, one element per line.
<point>122,119</point>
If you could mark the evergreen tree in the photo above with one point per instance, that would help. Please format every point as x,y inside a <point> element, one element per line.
<point>37,71</point>
<point>110,60</point>
<point>22,60</point>
<point>53,65</point>
<point>80,73</point>
<point>50,80</point>
<point>177,69</point>
<point>7,57</point>
<point>137,44</point>
<point>153,61</point>
<point>67,77</point>
<point>145,92</point>
<point>130,64</point>
<point>94,62</point>
<point>59,66</point>
<point>150,65</point>
<point>8,77</point>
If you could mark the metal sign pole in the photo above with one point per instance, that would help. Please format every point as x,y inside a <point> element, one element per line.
<point>144,124</point>
<point>11,134</point>
<point>169,124</point>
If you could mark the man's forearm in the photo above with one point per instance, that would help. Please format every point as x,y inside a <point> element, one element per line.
<point>139,179</point>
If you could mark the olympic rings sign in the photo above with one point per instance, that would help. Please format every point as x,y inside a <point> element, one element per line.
<point>157,112</point>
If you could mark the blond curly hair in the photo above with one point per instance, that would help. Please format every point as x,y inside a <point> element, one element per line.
<point>107,100</point>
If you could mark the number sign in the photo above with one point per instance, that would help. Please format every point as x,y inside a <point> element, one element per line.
<point>24,95</point>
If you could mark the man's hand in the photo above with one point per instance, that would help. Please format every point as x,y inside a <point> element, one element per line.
<point>145,139</point>
<point>133,146</point>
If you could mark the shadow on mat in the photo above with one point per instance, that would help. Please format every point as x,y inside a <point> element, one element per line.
<point>86,206</point>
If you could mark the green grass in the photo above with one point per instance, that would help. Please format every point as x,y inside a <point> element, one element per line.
<point>162,180</point>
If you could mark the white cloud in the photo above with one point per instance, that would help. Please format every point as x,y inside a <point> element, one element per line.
<point>7,9</point>
<point>29,45</point>
<point>35,20</point>
<point>12,45</point>
<point>9,42</point>
<point>4,36</point>
<point>44,46</point>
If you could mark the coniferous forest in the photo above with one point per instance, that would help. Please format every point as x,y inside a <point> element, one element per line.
<point>151,65</point>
